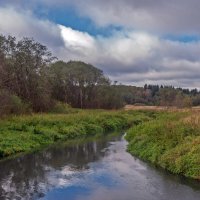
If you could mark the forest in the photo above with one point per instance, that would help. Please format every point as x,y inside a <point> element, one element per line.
<point>33,80</point>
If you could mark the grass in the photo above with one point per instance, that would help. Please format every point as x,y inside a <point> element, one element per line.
<point>30,132</point>
<point>171,141</point>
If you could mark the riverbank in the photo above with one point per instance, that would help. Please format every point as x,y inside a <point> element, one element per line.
<point>21,134</point>
<point>171,141</point>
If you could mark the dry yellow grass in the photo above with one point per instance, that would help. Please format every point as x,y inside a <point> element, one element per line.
<point>133,107</point>
<point>193,119</point>
<point>167,108</point>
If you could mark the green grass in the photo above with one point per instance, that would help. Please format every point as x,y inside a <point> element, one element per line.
<point>168,141</point>
<point>30,132</point>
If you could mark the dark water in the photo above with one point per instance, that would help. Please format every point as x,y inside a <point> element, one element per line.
<point>94,170</point>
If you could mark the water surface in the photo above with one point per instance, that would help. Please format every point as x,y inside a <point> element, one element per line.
<point>99,169</point>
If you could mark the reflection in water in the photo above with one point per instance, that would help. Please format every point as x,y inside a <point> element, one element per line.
<point>93,170</point>
<point>32,175</point>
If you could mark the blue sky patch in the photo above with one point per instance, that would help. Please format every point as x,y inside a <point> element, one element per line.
<point>183,38</point>
<point>67,16</point>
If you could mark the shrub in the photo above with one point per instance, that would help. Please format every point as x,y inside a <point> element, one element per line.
<point>18,106</point>
<point>12,104</point>
<point>60,107</point>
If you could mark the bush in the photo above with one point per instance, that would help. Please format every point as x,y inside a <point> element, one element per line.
<point>12,104</point>
<point>18,106</point>
<point>4,102</point>
<point>61,108</point>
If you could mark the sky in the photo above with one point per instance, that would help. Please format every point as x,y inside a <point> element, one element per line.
<point>133,41</point>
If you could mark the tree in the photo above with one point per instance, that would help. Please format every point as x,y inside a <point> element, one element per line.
<point>75,82</point>
<point>25,72</point>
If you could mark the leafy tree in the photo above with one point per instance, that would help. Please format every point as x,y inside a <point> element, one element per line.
<point>25,70</point>
<point>75,82</point>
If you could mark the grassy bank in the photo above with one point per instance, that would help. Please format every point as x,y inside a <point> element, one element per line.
<point>171,141</point>
<point>27,133</point>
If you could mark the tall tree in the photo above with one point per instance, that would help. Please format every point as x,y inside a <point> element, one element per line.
<point>25,70</point>
<point>75,82</point>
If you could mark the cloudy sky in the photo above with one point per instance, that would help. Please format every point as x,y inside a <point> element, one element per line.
<point>133,41</point>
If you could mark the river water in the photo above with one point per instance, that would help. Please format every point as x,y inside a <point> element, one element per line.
<point>98,169</point>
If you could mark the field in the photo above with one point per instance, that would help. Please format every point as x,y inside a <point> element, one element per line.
<point>162,108</point>
<point>154,108</point>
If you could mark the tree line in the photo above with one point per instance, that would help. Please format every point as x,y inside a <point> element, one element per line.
<point>32,79</point>
<point>155,95</point>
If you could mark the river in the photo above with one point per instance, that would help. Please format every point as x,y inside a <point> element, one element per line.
<point>96,169</point>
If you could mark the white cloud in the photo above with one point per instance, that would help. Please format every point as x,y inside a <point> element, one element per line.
<point>76,39</point>
<point>78,42</point>
<point>127,48</point>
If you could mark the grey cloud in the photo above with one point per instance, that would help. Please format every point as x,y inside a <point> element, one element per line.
<point>24,24</point>
<point>163,16</point>
<point>172,16</point>
<point>158,16</point>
